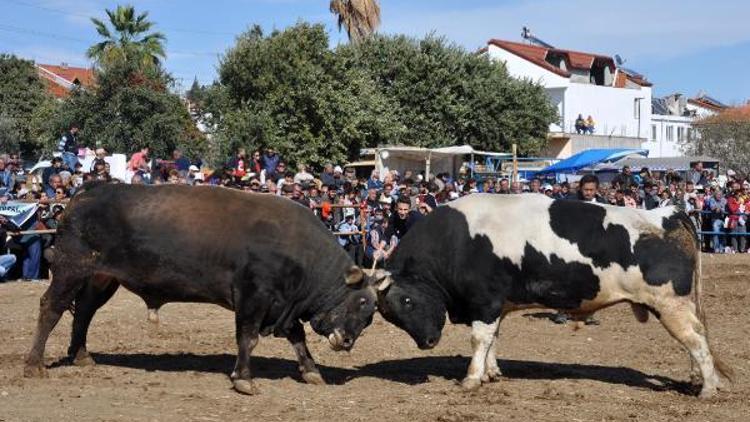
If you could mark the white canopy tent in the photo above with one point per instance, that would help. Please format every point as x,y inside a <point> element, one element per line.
<point>431,160</point>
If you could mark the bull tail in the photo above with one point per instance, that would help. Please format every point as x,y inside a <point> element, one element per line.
<point>724,369</point>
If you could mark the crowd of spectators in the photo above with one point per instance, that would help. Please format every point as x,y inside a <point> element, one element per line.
<point>368,214</point>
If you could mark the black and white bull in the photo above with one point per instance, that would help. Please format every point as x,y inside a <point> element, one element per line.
<point>266,258</point>
<point>484,256</point>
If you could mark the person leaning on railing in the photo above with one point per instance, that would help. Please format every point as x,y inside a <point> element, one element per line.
<point>736,220</point>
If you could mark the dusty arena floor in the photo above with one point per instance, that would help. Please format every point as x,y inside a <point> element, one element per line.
<point>620,370</point>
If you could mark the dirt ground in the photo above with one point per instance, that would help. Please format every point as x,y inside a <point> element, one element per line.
<point>620,370</point>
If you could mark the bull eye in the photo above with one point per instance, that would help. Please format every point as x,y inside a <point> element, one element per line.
<point>407,302</point>
<point>362,301</point>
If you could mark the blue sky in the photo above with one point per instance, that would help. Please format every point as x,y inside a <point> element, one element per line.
<point>680,45</point>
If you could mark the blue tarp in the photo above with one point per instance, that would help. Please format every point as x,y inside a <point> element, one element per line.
<point>589,158</point>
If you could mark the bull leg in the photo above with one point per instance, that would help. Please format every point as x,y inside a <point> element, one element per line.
<point>492,371</point>
<point>248,320</point>
<point>680,320</point>
<point>307,367</point>
<point>482,336</point>
<point>56,300</point>
<point>91,297</point>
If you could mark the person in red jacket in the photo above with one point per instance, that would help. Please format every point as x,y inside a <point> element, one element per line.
<point>736,221</point>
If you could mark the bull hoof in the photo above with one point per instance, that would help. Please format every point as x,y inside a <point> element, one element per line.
<point>85,360</point>
<point>707,392</point>
<point>492,375</point>
<point>245,387</point>
<point>153,316</point>
<point>471,384</point>
<point>35,371</point>
<point>313,378</point>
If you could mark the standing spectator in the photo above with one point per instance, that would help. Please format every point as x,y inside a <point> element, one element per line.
<point>55,182</point>
<point>516,188</point>
<point>587,189</point>
<point>695,174</point>
<point>503,186</point>
<point>55,168</point>
<point>139,161</point>
<point>327,175</point>
<point>717,204</point>
<point>535,186</point>
<point>7,260</point>
<point>6,176</point>
<point>736,207</point>
<point>271,161</point>
<point>338,177</point>
<point>351,241</point>
<point>651,199</point>
<point>68,146</point>
<point>374,181</point>
<point>625,179</point>
<point>303,177</point>
<point>239,164</point>
<point>181,163</point>
<point>403,220</point>
<point>431,198</point>
<point>256,165</point>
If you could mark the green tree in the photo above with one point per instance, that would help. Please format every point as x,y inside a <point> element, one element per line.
<point>725,136</point>
<point>447,96</point>
<point>128,40</point>
<point>287,91</point>
<point>22,94</point>
<point>360,18</point>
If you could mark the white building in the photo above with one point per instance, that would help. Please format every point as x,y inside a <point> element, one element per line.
<point>672,120</point>
<point>582,84</point>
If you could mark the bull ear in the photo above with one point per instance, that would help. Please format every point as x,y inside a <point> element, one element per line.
<point>381,280</point>
<point>354,275</point>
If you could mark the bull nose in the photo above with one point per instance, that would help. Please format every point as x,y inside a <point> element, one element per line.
<point>430,342</point>
<point>348,342</point>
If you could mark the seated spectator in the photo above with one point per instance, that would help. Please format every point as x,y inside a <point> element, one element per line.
<point>580,125</point>
<point>139,162</point>
<point>590,125</point>
<point>271,162</point>
<point>55,168</point>
<point>256,164</point>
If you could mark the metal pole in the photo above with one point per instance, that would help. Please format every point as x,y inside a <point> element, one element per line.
<point>515,163</point>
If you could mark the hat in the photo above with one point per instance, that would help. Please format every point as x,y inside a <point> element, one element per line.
<point>546,187</point>
<point>731,172</point>
<point>193,168</point>
<point>338,169</point>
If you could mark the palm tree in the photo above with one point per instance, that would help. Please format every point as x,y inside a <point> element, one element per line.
<point>128,40</point>
<point>360,17</point>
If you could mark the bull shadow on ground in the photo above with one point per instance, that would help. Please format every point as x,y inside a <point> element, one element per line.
<point>261,366</point>
<point>417,371</point>
<point>410,371</point>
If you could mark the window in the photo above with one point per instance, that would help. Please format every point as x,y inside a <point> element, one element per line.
<point>670,133</point>
<point>653,132</point>
<point>680,134</point>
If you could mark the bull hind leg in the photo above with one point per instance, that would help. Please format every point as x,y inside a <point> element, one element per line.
<point>482,337</point>
<point>680,320</point>
<point>307,366</point>
<point>89,299</point>
<point>56,300</point>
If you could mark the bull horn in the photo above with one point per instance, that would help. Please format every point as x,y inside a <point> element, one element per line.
<point>354,275</point>
<point>374,265</point>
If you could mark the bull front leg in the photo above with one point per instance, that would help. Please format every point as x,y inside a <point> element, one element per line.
<point>307,367</point>
<point>482,337</point>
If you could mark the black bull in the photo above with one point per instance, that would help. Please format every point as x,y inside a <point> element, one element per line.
<point>266,258</point>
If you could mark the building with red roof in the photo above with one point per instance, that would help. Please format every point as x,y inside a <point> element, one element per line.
<point>60,80</point>
<point>582,84</point>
